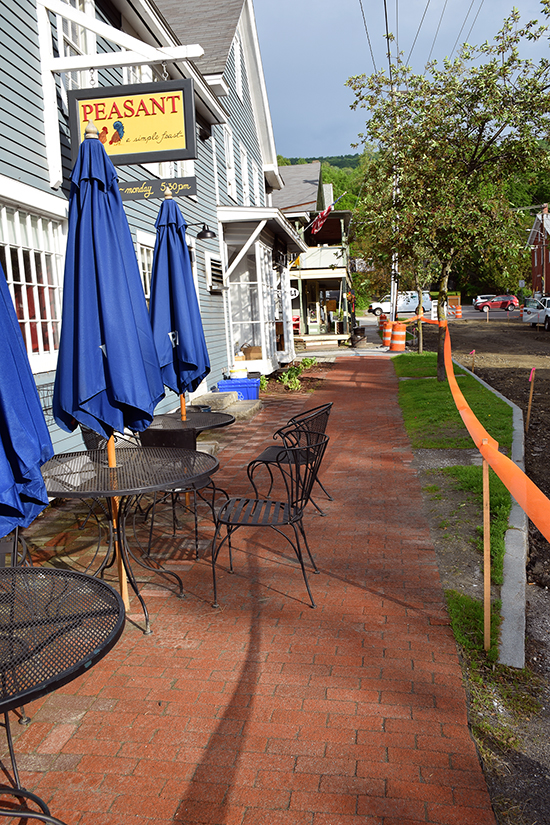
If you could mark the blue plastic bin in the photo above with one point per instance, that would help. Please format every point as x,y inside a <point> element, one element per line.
<point>247,388</point>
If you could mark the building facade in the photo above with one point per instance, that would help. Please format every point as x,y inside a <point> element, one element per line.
<point>51,47</point>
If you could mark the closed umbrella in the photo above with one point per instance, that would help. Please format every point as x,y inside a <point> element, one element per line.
<point>108,376</point>
<point>174,308</point>
<point>25,442</point>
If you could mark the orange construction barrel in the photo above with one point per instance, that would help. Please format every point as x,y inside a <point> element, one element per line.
<point>386,333</point>
<point>382,320</point>
<point>458,313</point>
<point>398,337</point>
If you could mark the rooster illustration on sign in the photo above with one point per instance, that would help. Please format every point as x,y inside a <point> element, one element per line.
<point>103,134</point>
<point>119,132</point>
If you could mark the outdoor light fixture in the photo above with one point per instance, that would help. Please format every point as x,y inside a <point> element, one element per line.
<point>206,233</point>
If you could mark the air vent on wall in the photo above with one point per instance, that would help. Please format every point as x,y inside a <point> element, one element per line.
<point>216,275</point>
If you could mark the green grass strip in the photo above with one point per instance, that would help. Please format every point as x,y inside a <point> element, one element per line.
<point>470,479</point>
<point>467,622</point>
<point>429,412</point>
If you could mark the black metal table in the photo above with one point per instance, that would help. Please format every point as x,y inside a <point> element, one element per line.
<point>198,421</point>
<point>54,625</point>
<point>87,475</point>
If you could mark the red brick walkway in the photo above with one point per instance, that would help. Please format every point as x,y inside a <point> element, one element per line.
<point>265,711</point>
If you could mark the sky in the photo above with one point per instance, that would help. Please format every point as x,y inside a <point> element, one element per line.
<point>310,48</point>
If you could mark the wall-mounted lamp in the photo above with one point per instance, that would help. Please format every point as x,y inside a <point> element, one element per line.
<point>205,234</point>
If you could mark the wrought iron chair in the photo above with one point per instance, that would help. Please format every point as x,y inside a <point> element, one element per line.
<point>314,420</point>
<point>186,439</point>
<point>298,461</point>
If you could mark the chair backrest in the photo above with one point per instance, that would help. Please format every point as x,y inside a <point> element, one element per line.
<point>314,420</point>
<point>299,461</point>
<point>155,437</point>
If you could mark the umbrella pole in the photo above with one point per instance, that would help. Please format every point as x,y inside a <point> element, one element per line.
<point>184,418</point>
<point>122,580</point>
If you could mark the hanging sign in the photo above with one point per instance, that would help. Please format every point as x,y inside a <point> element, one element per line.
<point>139,123</point>
<point>132,190</point>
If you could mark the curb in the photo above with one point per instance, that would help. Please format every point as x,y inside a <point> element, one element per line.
<point>513,591</point>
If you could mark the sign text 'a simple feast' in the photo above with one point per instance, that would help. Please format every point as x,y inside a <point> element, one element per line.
<point>140,123</point>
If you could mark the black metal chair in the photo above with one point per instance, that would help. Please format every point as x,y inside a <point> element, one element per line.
<point>298,466</point>
<point>185,439</point>
<point>315,421</point>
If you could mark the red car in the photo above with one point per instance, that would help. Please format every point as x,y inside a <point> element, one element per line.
<point>507,302</point>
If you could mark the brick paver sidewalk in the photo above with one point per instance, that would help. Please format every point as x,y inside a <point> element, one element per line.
<point>265,711</point>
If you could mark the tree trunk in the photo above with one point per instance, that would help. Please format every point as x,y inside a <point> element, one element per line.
<point>441,301</point>
<point>420,311</point>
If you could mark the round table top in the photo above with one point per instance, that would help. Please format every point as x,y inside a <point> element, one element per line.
<point>54,625</point>
<point>139,470</point>
<point>198,421</point>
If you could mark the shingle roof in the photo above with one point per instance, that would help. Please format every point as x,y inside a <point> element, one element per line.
<point>301,187</point>
<point>212,25</point>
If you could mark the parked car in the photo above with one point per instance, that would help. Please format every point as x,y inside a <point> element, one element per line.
<point>406,302</point>
<point>507,302</point>
<point>537,311</point>
<point>480,298</point>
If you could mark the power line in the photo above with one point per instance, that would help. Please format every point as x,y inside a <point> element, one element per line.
<point>397,27</point>
<point>437,32</point>
<point>388,40</point>
<point>475,18</point>
<point>418,31</point>
<point>463,24</point>
<point>367,33</point>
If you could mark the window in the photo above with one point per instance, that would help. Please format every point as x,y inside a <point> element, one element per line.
<point>244,177</point>
<point>230,163</point>
<point>246,315</point>
<point>256,184</point>
<point>238,55</point>
<point>145,246</point>
<point>30,254</point>
<point>72,42</point>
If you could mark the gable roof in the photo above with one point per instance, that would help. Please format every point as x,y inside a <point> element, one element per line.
<point>302,190</point>
<point>212,25</point>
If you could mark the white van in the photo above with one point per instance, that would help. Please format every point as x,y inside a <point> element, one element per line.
<point>406,302</point>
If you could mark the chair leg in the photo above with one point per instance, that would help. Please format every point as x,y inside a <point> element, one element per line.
<point>312,560</point>
<point>319,482</point>
<point>321,512</point>
<point>301,560</point>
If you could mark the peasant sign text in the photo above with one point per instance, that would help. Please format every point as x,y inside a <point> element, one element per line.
<point>139,123</point>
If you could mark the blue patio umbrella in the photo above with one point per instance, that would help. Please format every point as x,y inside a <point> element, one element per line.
<point>108,375</point>
<point>173,306</point>
<point>25,442</point>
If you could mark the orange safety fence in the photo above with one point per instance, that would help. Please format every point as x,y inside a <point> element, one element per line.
<point>529,497</point>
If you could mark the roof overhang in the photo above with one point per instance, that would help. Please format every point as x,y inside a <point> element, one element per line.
<point>336,274</point>
<point>274,221</point>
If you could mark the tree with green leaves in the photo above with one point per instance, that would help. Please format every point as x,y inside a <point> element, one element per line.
<point>448,143</point>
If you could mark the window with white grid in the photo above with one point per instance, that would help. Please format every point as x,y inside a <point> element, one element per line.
<point>72,40</point>
<point>145,246</point>
<point>31,257</point>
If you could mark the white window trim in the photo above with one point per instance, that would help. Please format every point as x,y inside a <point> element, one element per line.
<point>245,182</point>
<point>238,60</point>
<point>230,162</point>
<point>41,361</point>
<point>215,170</point>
